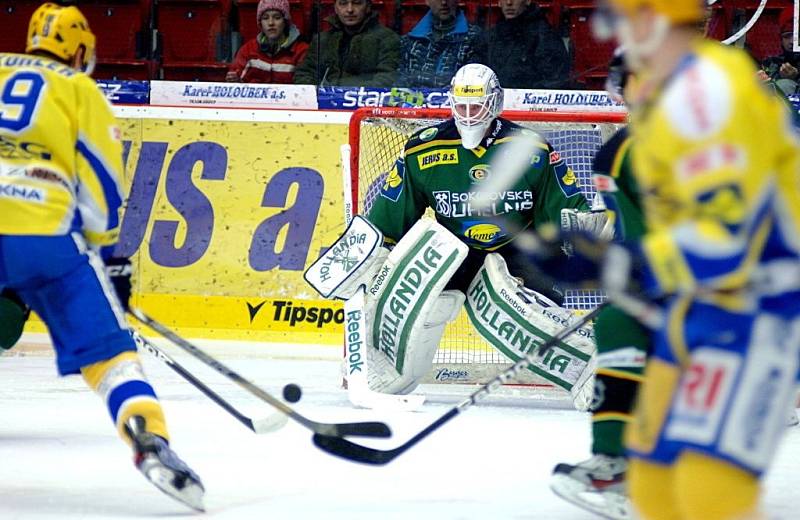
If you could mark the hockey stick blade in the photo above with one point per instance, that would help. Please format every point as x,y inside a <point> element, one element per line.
<point>266,425</point>
<point>271,423</point>
<point>357,453</point>
<point>366,398</point>
<point>363,429</point>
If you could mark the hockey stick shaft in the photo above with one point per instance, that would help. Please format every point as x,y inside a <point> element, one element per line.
<point>276,422</point>
<point>358,453</point>
<point>367,429</point>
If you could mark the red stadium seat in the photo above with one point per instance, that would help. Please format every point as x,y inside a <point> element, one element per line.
<point>192,31</point>
<point>720,23</point>
<point>764,38</point>
<point>194,71</point>
<point>590,59</point>
<point>121,27</point>
<point>125,70</point>
<point>471,9</point>
<point>14,18</point>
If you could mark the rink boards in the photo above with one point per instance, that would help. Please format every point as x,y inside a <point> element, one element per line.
<point>226,209</point>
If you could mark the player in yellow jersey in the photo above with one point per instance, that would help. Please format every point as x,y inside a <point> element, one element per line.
<point>60,196</point>
<point>718,164</point>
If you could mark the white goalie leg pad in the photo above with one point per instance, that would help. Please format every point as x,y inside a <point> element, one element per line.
<point>516,320</point>
<point>351,261</point>
<point>406,309</point>
<point>356,363</point>
<point>421,349</point>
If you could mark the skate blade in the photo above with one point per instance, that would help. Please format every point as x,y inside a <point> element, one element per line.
<point>606,504</point>
<point>191,494</point>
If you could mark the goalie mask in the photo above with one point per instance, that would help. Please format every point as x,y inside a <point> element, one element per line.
<point>476,100</point>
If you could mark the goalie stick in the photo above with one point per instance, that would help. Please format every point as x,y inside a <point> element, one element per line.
<point>358,453</point>
<point>267,424</point>
<point>332,430</point>
<point>356,364</point>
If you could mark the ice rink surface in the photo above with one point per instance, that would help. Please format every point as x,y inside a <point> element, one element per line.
<point>60,458</point>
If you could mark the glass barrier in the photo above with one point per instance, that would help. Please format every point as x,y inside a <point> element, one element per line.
<point>387,43</point>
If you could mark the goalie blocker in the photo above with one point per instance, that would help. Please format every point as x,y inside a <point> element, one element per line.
<point>407,310</point>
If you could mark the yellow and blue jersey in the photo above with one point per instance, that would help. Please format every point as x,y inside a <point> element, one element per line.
<point>717,165</point>
<point>60,152</point>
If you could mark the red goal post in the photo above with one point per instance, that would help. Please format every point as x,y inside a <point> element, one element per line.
<point>376,138</point>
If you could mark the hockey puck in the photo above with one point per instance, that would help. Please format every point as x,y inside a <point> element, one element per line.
<point>292,393</point>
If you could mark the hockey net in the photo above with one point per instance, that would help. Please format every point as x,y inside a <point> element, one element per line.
<point>377,136</point>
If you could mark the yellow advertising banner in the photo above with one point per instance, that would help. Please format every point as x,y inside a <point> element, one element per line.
<point>222,219</point>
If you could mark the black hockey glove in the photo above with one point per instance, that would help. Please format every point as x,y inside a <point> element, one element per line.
<point>592,263</point>
<point>119,272</point>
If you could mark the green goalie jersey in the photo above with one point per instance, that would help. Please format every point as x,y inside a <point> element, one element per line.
<point>435,171</point>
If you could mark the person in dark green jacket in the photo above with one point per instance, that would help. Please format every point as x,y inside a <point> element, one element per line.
<point>356,51</point>
<point>525,51</point>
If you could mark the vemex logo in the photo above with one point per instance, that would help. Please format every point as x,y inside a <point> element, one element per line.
<point>485,233</point>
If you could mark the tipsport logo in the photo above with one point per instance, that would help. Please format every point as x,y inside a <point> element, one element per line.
<point>294,313</point>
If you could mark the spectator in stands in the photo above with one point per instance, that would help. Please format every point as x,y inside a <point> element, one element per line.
<point>440,44</point>
<point>524,50</point>
<point>784,68</point>
<point>356,51</point>
<point>273,55</point>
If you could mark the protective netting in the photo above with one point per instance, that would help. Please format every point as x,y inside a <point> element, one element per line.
<point>380,141</point>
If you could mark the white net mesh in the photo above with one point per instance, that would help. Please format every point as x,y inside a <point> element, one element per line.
<point>379,141</point>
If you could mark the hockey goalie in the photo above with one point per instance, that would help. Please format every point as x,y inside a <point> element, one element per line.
<point>411,275</point>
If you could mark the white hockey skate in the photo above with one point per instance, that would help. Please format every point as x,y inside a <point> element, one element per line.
<point>596,484</point>
<point>161,466</point>
<point>793,421</point>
